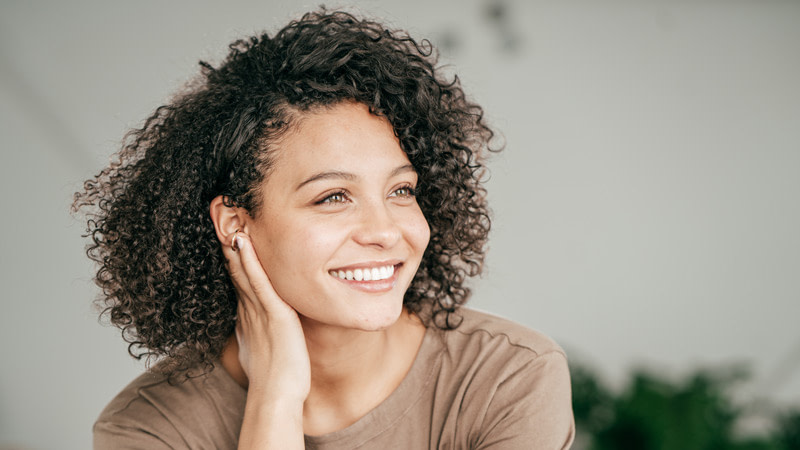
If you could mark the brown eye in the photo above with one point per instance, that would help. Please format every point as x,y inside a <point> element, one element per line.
<point>336,197</point>
<point>405,191</point>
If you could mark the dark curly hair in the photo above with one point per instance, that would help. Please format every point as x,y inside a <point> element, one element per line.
<point>161,267</point>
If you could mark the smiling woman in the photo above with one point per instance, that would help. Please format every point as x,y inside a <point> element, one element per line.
<point>339,198</point>
<point>290,239</point>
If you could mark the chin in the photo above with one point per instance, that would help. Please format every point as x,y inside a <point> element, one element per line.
<point>379,319</point>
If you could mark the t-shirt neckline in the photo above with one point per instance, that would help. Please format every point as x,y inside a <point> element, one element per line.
<point>388,412</point>
<point>396,405</point>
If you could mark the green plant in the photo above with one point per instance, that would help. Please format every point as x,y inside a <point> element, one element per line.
<point>655,413</point>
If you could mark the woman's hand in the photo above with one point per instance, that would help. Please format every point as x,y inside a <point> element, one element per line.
<point>272,352</point>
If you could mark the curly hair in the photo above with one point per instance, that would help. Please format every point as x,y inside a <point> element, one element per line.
<point>161,268</point>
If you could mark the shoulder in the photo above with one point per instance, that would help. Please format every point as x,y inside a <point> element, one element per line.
<point>152,412</point>
<point>511,384</point>
<point>133,416</point>
<point>502,350</point>
<point>479,326</point>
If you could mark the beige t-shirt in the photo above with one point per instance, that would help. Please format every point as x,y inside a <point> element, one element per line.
<point>490,383</point>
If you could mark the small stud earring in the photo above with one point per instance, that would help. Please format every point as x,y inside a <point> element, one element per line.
<point>234,243</point>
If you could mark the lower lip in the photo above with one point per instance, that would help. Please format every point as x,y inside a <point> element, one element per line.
<point>377,286</point>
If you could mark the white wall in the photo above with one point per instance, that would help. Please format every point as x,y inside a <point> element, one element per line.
<point>646,207</point>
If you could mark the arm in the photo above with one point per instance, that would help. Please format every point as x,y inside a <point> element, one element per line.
<point>273,354</point>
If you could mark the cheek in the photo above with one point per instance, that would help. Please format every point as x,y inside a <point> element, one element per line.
<point>309,243</point>
<point>294,259</point>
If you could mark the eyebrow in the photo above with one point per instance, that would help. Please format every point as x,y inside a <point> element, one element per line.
<point>336,174</point>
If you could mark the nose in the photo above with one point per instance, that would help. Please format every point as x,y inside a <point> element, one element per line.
<point>377,227</point>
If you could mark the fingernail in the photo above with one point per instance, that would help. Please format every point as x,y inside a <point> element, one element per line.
<point>234,244</point>
<point>238,242</point>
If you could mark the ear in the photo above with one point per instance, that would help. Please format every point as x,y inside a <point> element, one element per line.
<point>227,220</point>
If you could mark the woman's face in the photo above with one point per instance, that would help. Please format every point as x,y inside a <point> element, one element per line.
<point>339,233</point>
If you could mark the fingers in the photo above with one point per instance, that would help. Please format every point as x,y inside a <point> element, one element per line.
<point>249,276</point>
<point>256,276</point>
<point>236,270</point>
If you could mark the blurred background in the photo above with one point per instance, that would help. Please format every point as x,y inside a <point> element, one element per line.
<point>646,208</point>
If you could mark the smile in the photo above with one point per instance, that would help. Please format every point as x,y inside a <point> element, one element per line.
<point>364,274</point>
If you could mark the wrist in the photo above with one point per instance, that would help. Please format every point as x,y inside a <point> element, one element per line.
<point>277,395</point>
<point>271,421</point>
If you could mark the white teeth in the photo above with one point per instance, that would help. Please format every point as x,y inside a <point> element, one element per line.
<point>373,274</point>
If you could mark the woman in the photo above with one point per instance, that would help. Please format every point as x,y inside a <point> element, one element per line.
<point>291,237</point>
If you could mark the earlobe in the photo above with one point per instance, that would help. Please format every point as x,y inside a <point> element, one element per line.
<point>227,220</point>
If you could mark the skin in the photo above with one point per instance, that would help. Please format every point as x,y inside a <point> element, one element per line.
<point>316,352</point>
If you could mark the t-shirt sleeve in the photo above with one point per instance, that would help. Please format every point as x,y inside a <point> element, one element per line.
<point>531,408</point>
<point>135,424</point>
<point>109,436</point>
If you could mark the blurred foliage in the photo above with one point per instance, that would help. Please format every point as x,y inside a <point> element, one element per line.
<point>655,413</point>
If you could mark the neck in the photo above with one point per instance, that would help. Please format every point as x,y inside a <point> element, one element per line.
<point>352,371</point>
<point>342,357</point>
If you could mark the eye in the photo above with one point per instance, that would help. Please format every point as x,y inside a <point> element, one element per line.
<point>334,198</point>
<point>404,191</point>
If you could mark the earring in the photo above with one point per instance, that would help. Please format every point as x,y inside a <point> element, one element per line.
<point>234,244</point>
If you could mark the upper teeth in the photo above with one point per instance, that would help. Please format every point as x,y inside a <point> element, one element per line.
<point>373,274</point>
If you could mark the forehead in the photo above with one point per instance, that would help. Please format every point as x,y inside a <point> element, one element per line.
<point>344,137</point>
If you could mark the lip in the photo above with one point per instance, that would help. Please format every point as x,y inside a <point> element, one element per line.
<point>379,286</point>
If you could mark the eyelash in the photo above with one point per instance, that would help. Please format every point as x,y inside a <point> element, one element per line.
<point>411,192</point>
<point>329,198</point>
